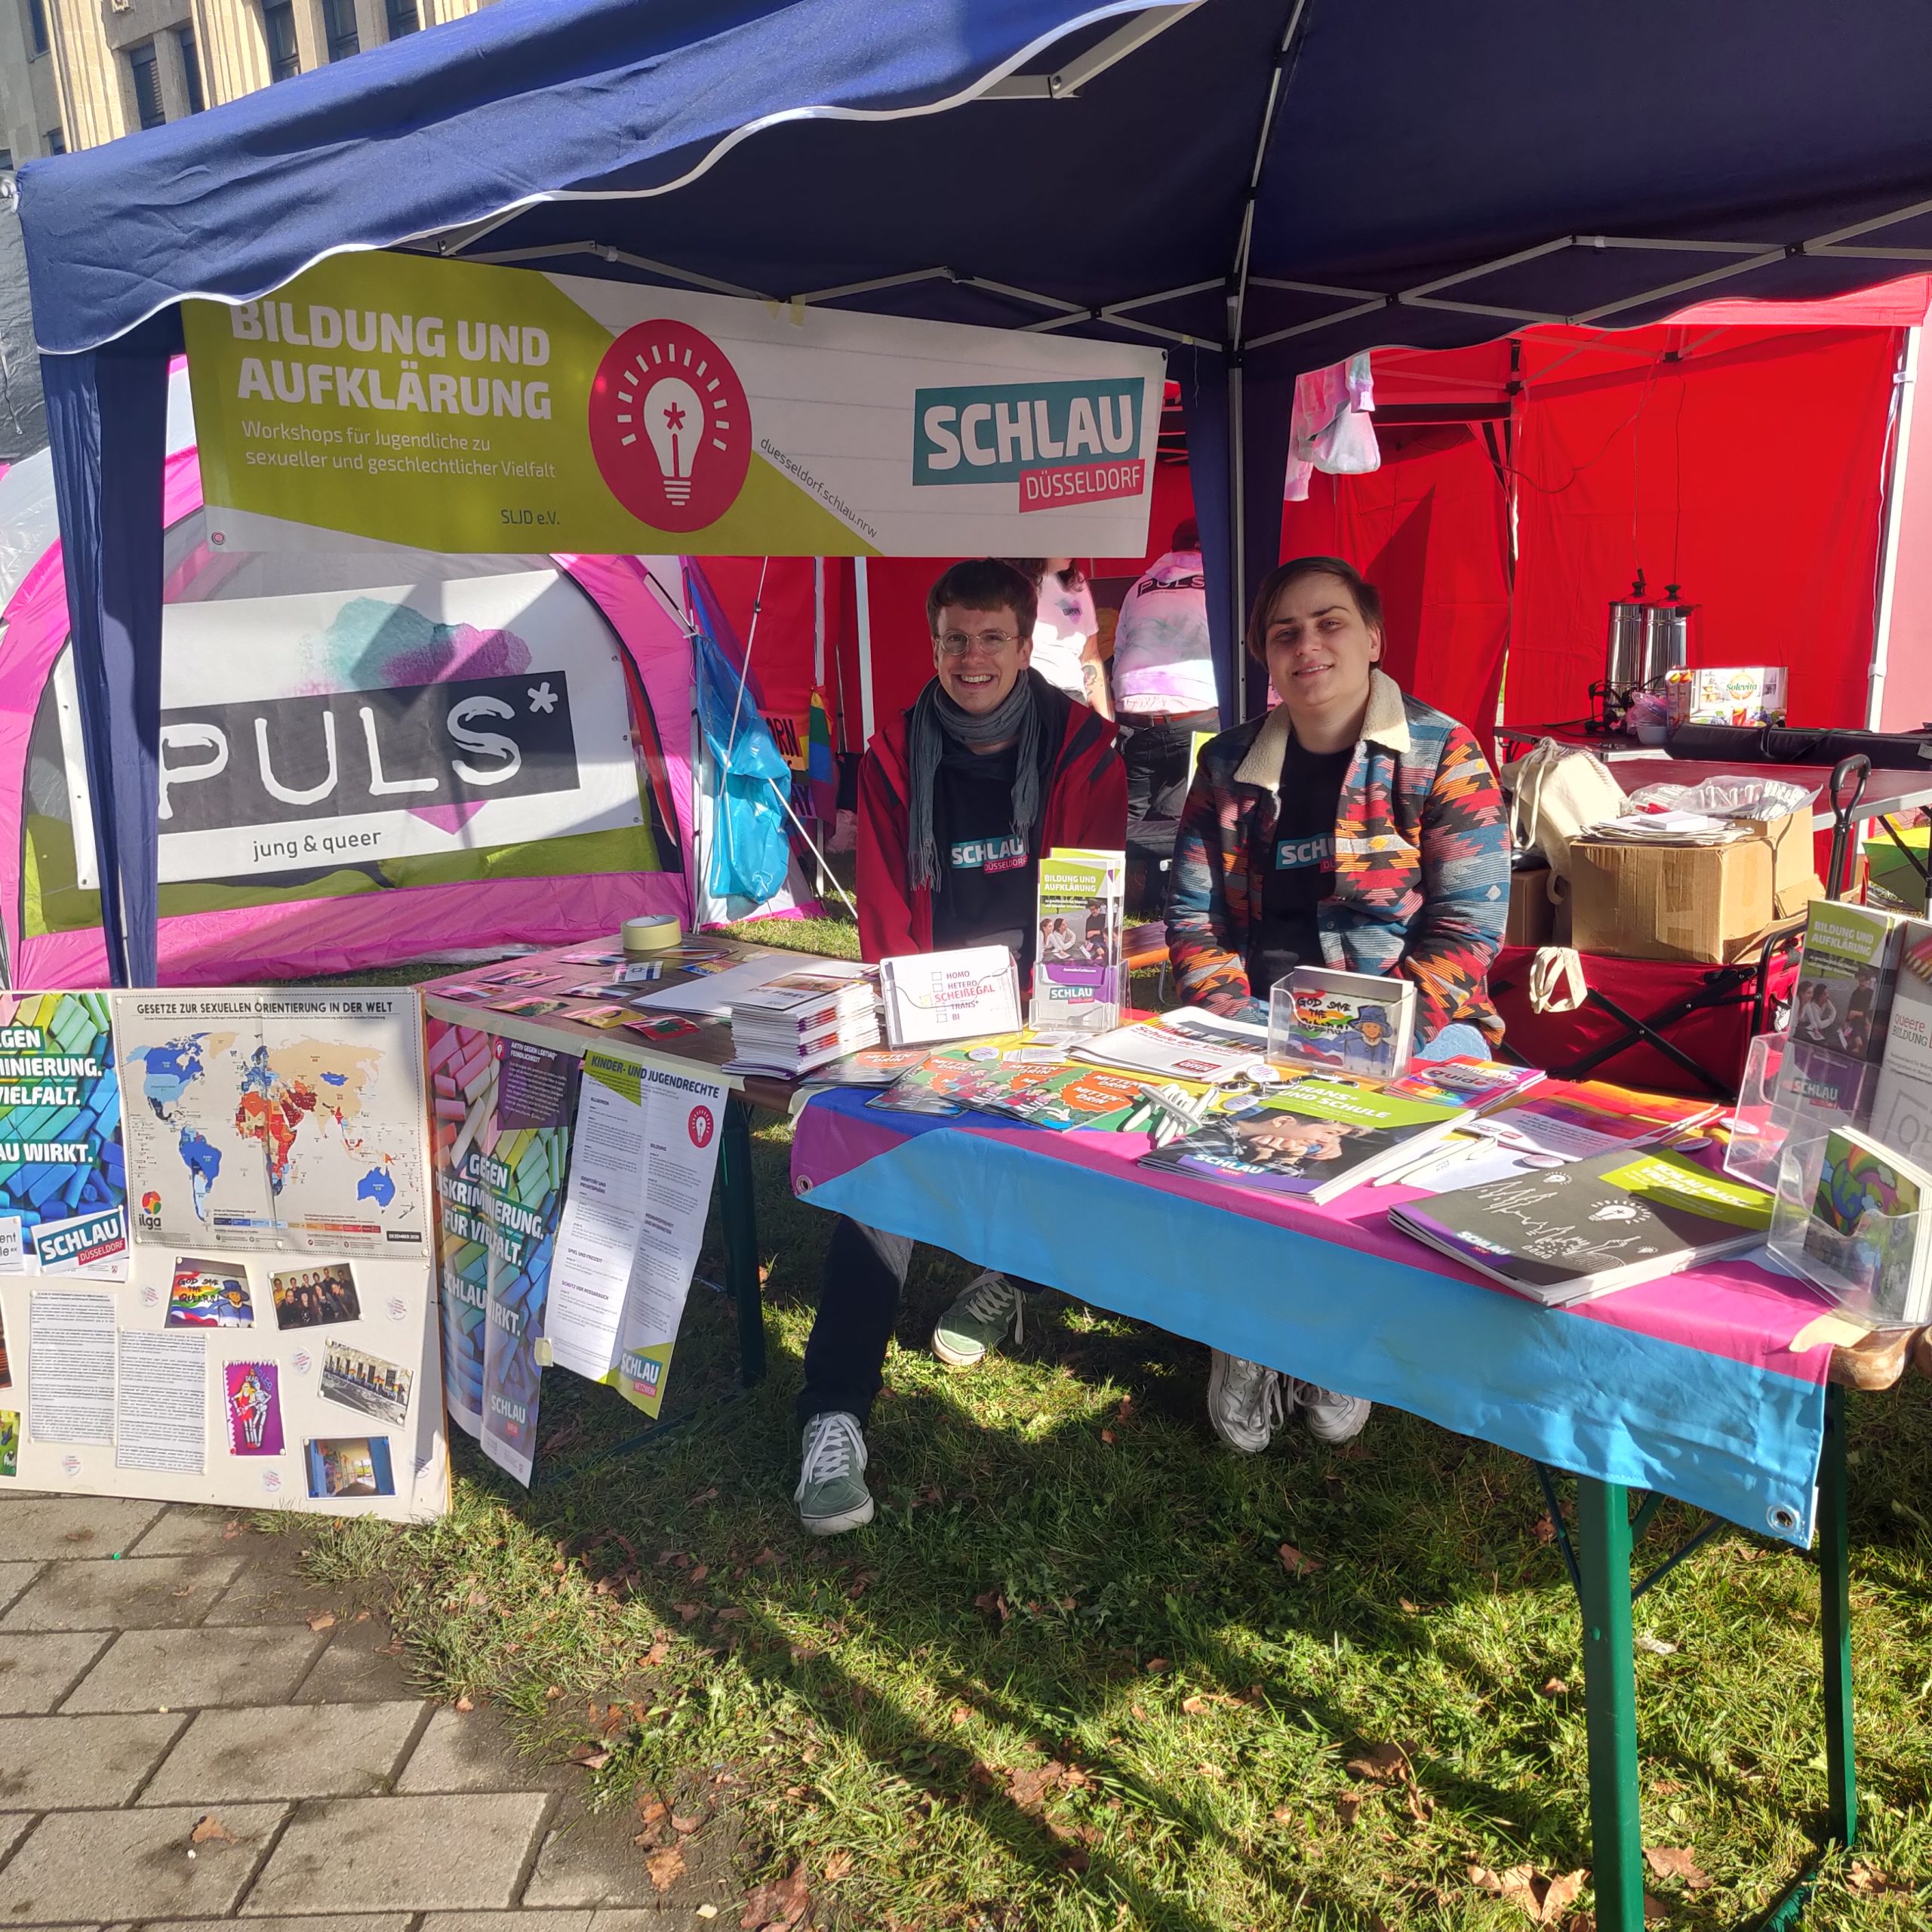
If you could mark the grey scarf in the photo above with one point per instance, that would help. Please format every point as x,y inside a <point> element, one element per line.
<point>935,719</point>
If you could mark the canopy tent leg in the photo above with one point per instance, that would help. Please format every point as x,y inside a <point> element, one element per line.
<point>1205,383</point>
<point>1610,1694</point>
<point>107,422</point>
<point>1834,1622</point>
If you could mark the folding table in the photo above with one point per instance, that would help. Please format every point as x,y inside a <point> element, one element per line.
<point>1718,1388</point>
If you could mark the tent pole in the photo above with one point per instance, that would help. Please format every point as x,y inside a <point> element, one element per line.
<point>1237,533</point>
<point>1906,383</point>
<point>863,601</point>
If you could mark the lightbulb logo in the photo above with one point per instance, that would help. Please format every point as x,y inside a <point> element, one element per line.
<point>670,429</point>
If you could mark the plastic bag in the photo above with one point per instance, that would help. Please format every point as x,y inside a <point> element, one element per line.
<point>1728,797</point>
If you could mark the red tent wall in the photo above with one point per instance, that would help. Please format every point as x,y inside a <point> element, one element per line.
<point>1430,530</point>
<point>1750,472</point>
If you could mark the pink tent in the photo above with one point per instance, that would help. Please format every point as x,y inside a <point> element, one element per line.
<point>550,696</point>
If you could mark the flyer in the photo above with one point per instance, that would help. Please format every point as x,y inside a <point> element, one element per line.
<point>160,1403</point>
<point>646,1149</point>
<point>62,1190</point>
<point>266,1119</point>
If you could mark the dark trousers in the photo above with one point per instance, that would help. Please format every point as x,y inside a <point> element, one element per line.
<point>1160,768</point>
<point>858,1303</point>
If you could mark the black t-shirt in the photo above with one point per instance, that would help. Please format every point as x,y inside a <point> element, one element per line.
<point>1297,865</point>
<point>990,875</point>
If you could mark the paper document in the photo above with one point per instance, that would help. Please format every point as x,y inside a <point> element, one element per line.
<point>713,993</point>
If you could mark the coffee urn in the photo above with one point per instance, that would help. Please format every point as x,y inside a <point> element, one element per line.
<point>1647,637</point>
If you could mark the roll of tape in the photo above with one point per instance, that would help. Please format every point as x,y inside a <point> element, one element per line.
<point>654,933</point>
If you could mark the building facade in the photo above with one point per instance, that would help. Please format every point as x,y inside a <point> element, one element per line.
<point>75,73</point>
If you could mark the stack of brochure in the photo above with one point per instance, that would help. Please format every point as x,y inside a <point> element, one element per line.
<point>804,1020</point>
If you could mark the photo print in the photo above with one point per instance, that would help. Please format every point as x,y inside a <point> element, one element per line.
<point>10,1442</point>
<point>254,1407</point>
<point>210,1294</point>
<point>359,1380</point>
<point>306,1298</point>
<point>6,1365</point>
<point>342,1465</point>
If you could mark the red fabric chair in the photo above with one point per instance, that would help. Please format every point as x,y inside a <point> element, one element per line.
<point>1659,1025</point>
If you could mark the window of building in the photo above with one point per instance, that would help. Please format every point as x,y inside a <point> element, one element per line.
<point>57,142</point>
<point>278,29</point>
<point>146,70</point>
<point>37,25</point>
<point>339,24</point>
<point>191,68</point>
<point>404,18</point>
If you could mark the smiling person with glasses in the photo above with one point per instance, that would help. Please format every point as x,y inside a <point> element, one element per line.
<point>958,798</point>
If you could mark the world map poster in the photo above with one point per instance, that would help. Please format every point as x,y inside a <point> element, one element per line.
<point>273,1119</point>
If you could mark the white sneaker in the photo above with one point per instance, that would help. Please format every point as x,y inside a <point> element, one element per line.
<point>832,1495</point>
<point>1332,1417</point>
<point>1245,1402</point>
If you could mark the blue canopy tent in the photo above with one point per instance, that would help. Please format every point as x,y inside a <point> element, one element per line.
<point>1263,186</point>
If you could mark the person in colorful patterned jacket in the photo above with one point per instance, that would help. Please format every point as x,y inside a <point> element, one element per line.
<point>1353,827</point>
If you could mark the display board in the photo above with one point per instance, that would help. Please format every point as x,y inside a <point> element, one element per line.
<point>243,1315</point>
<point>466,406</point>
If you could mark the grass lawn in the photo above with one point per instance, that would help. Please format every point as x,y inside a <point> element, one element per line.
<point>1069,1679</point>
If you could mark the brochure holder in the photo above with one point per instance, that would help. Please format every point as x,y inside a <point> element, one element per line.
<point>1286,1051</point>
<point>1862,1271</point>
<point>1792,1088</point>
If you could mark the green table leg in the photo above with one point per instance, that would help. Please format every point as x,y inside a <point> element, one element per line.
<point>1610,1694</point>
<point>738,1207</point>
<point>1834,1622</point>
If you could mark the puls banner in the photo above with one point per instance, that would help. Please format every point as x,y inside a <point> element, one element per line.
<point>460,406</point>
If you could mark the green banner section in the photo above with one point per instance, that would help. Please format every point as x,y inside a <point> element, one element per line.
<point>458,407</point>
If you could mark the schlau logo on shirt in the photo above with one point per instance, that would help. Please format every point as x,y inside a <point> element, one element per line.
<point>988,855</point>
<point>1301,855</point>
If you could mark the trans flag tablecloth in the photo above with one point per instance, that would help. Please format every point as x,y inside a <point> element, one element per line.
<point>1693,1385</point>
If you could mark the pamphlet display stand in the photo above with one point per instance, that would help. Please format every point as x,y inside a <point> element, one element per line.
<point>1789,1088</point>
<point>1851,1266</point>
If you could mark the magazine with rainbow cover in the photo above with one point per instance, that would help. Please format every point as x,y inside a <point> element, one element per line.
<point>1077,975</point>
<point>1038,1086</point>
<point>1569,1233</point>
<point>1314,1138</point>
<point>1466,1082</point>
<point>1867,1227</point>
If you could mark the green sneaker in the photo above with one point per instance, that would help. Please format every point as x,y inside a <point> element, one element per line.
<point>978,1319</point>
<point>832,1495</point>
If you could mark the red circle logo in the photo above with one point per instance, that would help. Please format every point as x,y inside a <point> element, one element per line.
<point>700,1127</point>
<point>670,429</point>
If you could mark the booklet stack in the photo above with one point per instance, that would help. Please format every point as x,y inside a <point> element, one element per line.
<point>804,1020</point>
<point>1077,971</point>
<point>1569,1233</point>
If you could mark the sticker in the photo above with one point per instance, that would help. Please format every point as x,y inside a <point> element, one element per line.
<point>150,1297</point>
<point>306,1298</point>
<point>70,1464</point>
<point>398,1309</point>
<point>359,1380</point>
<point>302,1361</point>
<point>254,1407</point>
<point>349,1466</point>
<point>272,1481</point>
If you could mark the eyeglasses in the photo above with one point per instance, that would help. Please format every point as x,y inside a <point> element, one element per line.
<point>956,643</point>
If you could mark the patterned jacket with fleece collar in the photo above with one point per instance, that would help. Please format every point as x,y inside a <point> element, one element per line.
<point>1422,863</point>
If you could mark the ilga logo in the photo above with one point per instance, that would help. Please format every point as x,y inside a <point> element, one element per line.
<point>670,427</point>
<point>1062,442</point>
<point>148,1215</point>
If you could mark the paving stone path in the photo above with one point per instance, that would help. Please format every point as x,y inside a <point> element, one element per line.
<point>163,1668</point>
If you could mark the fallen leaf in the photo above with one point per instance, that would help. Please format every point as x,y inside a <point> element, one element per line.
<point>993,1604</point>
<point>1156,1665</point>
<point>1348,1807</point>
<point>665,1867</point>
<point>768,1555</point>
<point>1107,1437</point>
<point>778,1901</point>
<point>653,1657</point>
<point>1381,1764</point>
<point>1544,1900</point>
<point>649,1809</point>
<point>1666,1787</point>
<point>837,1866</point>
<point>324,1620</point>
<point>1867,1879</point>
<point>1194,1706</point>
<point>1212,1773</point>
<point>689,1610</point>
<point>464,1704</point>
<point>1282,1815</point>
<point>232,1531</point>
<point>210,1830</point>
<point>554,1691</point>
<point>1297,1564</point>
<point>1028,1789</point>
<point>589,1756</point>
<point>1404,1603</point>
<point>684,1827</point>
<point>1668,1863</point>
<point>1553,1687</point>
<point>1656,1646</point>
<point>703,1571</point>
<point>706,1496</point>
<point>962,1713</point>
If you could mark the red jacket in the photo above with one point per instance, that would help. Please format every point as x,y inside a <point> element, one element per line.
<point>1086,805</point>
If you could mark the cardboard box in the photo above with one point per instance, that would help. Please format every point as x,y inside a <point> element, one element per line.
<point>1795,881</point>
<point>1735,694</point>
<point>1539,908</point>
<point>1708,903</point>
